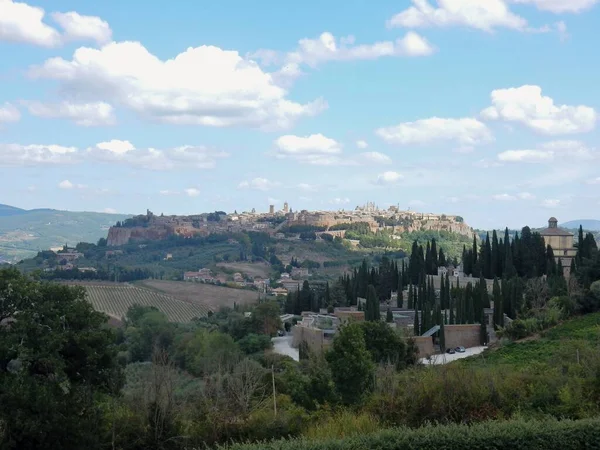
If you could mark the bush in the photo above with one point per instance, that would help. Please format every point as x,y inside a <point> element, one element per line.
<point>510,435</point>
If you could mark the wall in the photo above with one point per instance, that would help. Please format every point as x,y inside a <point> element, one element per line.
<point>425,345</point>
<point>462,335</point>
<point>314,337</point>
<point>344,316</point>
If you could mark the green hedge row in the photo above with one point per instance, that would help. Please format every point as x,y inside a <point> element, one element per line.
<point>509,435</point>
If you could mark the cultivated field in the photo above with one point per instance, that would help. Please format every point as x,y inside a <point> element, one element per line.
<point>206,295</point>
<point>257,269</point>
<point>116,299</point>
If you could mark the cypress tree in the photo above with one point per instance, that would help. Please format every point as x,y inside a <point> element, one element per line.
<point>416,330</point>
<point>469,303</point>
<point>482,329</point>
<point>495,256</point>
<point>434,256</point>
<point>410,297</point>
<point>580,245</point>
<point>389,317</point>
<point>442,337</point>
<point>442,258</point>
<point>451,305</point>
<point>498,308</point>
<point>572,269</point>
<point>400,298</point>
<point>487,263</point>
<point>372,312</point>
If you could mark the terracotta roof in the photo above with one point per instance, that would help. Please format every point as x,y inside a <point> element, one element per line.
<point>555,232</point>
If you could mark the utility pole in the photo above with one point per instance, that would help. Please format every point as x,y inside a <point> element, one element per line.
<point>274,396</point>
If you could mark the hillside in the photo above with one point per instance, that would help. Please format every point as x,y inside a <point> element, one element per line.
<point>587,224</point>
<point>25,232</point>
<point>114,299</point>
<point>563,344</point>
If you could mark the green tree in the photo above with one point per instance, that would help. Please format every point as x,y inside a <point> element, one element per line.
<point>389,317</point>
<point>351,364</point>
<point>56,357</point>
<point>372,312</point>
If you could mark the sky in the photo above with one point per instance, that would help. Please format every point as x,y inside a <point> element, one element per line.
<point>483,108</point>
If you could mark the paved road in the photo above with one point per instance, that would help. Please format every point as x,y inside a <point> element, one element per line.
<point>446,357</point>
<point>283,346</point>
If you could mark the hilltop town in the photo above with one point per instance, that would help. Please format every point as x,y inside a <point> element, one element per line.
<point>276,223</point>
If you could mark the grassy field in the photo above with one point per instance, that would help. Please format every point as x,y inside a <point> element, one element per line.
<point>580,335</point>
<point>116,298</point>
<point>251,269</point>
<point>209,296</point>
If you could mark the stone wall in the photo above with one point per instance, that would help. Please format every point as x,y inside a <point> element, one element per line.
<point>314,337</point>
<point>462,335</point>
<point>425,346</point>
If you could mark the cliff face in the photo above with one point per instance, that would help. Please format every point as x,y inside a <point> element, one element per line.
<point>121,236</point>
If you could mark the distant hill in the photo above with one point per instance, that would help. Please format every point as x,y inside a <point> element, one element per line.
<point>25,232</point>
<point>588,224</point>
<point>6,210</point>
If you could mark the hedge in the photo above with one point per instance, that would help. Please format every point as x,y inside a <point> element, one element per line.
<point>499,435</point>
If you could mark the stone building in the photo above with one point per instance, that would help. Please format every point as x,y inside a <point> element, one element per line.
<point>561,242</point>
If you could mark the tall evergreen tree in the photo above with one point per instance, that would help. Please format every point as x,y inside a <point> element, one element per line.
<point>442,258</point>
<point>498,308</point>
<point>400,289</point>
<point>442,337</point>
<point>496,262</point>
<point>372,313</point>
<point>410,297</point>
<point>416,329</point>
<point>487,262</point>
<point>389,317</point>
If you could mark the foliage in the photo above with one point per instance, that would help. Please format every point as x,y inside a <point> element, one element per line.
<point>509,435</point>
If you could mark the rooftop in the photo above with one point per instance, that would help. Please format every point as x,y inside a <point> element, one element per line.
<point>553,229</point>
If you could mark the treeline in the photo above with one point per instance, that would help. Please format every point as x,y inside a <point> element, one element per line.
<point>525,256</point>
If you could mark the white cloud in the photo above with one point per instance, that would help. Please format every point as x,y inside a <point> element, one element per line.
<point>83,114</point>
<point>551,203</point>
<point>526,196</point>
<point>192,192</point>
<point>339,201</point>
<point>466,132</point>
<point>504,197</point>
<point>315,149</point>
<point>184,157</point>
<point>389,177</point>
<point>594,181</point>
<point>568,151</point>
<point>326,48</point>
<point>77,27</point>
<point>527,106</point>
<point>167,192</point>
<point>20,22</point>
<point>535,156</point>
<point>201,86</point>
<point>560,6</point>
<point>9,113</point>
<point>486,164</point>
<point>32,155</point>
<point>116,146</point>
<point>362,144</point>
<point>376,157</point>
<point>306,187</point>
<point>259,184</point>
<point>484,15</point>
<point>110,211</point>
<point>66,184</point>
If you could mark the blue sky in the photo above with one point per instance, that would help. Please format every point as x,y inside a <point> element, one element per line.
<point>483,108</point>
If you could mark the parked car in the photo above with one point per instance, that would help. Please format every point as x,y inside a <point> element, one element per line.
<point>280,333</point>
<point>460,349</point>
<point>451,351</point>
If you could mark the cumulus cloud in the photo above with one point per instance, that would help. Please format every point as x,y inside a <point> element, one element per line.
<point>33,155</point>
<point>362,144</point>
<point>205,85</point>
<point>466,132</point>
<point>66,184</point>
<point>315,149</point>
<point>504,197</point>
<point>9,113</point>
<point>83,114</point>
<point>192,192</point>
<point>80,28</point>
<point>168,192</point>
<point>527,105</point>
<point>560,6</point>
<point>23,23</point>
<point>259,184</point>
<point>184,157</point>
<point>376,157</point>
<point>484,15</point>
<point>389,177</point>
<point>326,47</point>
<point>567,151</point>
